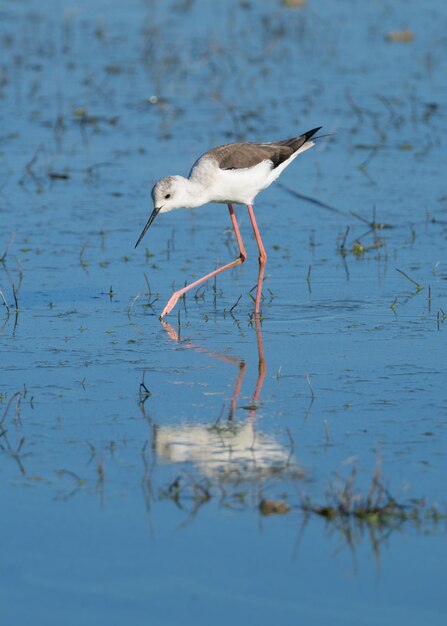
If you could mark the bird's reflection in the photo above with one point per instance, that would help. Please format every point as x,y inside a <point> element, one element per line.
<point>228,449</point>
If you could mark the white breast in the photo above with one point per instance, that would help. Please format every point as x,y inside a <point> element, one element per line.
<point>240,186</point>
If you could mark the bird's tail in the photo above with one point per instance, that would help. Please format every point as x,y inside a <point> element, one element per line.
<point>295,143</point>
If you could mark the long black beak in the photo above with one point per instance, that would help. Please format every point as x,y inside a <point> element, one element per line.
<point>154,214</point>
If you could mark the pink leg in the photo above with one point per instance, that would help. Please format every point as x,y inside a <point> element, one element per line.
<point>241,258</point>
<point>262,257</point>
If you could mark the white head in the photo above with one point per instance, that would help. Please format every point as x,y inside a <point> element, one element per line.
<point>168,194</point>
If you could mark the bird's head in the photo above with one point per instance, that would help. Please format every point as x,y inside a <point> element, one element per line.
<point>166,194</point>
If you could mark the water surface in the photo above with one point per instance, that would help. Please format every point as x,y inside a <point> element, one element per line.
<point>135,502</point>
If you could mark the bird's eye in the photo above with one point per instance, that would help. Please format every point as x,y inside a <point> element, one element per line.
<point>167,196</point>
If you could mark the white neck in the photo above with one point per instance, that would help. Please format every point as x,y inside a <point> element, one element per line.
<point>192,193</point>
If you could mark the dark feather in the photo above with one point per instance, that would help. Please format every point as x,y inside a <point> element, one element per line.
<point>242,155</point>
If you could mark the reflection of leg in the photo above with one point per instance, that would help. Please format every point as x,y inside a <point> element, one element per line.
<point>241,258</point>
<point>259,288</point>
<point>173,335</point>
<point>237,389</point>
<point>262,257</point>
<point>226,358</point>
<point>262,365</point>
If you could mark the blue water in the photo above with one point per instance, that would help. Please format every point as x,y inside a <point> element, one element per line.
<point>113,97</point>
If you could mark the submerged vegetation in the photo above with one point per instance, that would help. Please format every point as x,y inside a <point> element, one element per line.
<point>346,507</point>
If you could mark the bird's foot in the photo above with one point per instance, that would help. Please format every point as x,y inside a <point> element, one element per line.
<point>171,303</point>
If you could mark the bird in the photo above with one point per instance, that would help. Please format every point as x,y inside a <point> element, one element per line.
<point>233,173</point>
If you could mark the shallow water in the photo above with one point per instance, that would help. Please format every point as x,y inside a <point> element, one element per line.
<point>141,503</point>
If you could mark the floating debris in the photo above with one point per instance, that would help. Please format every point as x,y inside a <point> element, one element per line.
<point>294,4</point>
<point>273,507</point>
<point>401,36</point>
<point>58,176</point>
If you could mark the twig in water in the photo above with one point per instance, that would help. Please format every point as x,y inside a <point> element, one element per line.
<point>435,267</point>
<point>15,454</point>
<point>309,408</point>
<point>355,107</point>
<point>373,224</point>
<point>170,246</point>
<point>312,392</point>
<point>91,168</point>
<point>14,292</point>
<point>343,243</point>
<point>20,270</point>
<point>375,484</point>
<point>359,217</point>
<point>235,304</point>
<point>200,293</point>
<point>292,446</point>
<point>419,287</point>
<point>144,391</point>
<point>17,396</point>
<point>101,475</point>
<point>300,196</point>
<point>78,484</point>
<point>83,263</point>
<point>4,301</point>
<point>8,246</point>
<point>149,290</point>
<point>129,310</point>
<point>150,302</point>
<point>393,306</point>
<point>369,158</point>
<point>29,166</point>
<point>440,318</point>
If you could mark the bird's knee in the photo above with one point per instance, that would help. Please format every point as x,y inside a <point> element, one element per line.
<point>262,259</point>
<point>243,256</point>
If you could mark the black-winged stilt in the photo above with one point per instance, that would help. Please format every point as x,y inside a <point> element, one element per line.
<point>231,174</point>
